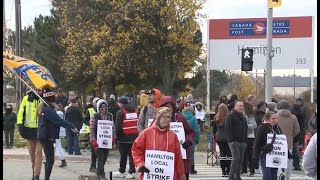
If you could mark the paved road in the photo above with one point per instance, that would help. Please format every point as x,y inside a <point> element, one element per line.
<point>206,172</point>
<point>17,166</point>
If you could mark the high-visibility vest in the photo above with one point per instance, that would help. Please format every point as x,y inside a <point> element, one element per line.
<point>28,113</point>
<point>91,113</point>
<point>129,125</point>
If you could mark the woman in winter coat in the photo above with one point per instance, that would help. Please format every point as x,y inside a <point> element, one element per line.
<point>261,148</point>
<point>9,121</point>
<point>252,125</point>
<point>225,153</point>
<point>188,113</point>
<point>169,102</point>
<point>158,137</point>
<point>200,114</point>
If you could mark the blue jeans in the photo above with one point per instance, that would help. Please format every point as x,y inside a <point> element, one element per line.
<point>73,143</point>
<point>268,173</point>
<point>296,155</point>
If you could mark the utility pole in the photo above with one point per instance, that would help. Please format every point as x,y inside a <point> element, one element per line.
<point>18,50</point>
<point>270,51</point>
<point>268,85</point>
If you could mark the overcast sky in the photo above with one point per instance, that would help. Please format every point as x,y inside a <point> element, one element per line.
<point>214,9</point>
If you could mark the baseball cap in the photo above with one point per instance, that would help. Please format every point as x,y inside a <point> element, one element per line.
<point>151,91</point>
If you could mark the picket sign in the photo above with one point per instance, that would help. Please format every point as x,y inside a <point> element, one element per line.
<point>104,134</point>
<point>160,164</point>
<point>177,127</point>
<point>278,157</point>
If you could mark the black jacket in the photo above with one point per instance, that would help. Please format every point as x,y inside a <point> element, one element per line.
<point>236,127</point>
<point>113,108</point>
<point>261,137</point>
<point>9,120</point>
<point>119,121</point>
<point>218,130</point>
<point>74,116</point>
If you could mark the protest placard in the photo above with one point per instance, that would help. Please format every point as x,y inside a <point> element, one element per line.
<point>160,164</point>
<point>104,134</point>
<point>278,157</point>
<point>177,127</point>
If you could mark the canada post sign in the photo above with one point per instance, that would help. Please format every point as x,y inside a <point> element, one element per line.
<point>253,28</point>
<point>293,42</point>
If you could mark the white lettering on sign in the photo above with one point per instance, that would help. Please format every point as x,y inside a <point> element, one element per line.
<point>160,164</point>
<point>177,127</point>
<point>104,134</point>
<point>278,157</point>
<point>131,116</point>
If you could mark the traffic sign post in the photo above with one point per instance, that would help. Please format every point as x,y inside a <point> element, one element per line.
<point>268,85</point>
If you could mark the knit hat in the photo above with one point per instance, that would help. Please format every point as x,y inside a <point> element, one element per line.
<point>48,95</point>
<point>94,102</point>
<point>112,97</point>
<point>101,104</point>
<point>161,110</point>
<point>250,97</point>
<point>283,104</point>
<point>123,100</point>
<point>299,99</point>
<point>272,106</point>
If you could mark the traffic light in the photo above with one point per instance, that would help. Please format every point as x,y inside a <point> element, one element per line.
<point>274,3</point>
<point>246,65</point>
<point>246,59</point>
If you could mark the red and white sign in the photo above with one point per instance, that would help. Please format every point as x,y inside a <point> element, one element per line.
<point>292,42</point>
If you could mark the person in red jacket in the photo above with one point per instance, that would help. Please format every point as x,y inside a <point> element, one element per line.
<point>126,132</point>
<point>158,137</point>
<point>169,102</point>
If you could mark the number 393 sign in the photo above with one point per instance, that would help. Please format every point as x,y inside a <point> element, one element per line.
<point>104,134</point>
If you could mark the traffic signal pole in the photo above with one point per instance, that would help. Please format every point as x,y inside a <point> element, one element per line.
<point>270,54</point>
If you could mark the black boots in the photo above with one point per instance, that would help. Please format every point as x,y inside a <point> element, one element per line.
<point>193,171</point>
<point>36,177</point>
<point>63,163</point>
<point>93,169</point>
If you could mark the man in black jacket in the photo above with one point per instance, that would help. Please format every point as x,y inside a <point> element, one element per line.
<point>74,116</point>
<point>126,132</point>
<point>236,133</point>
<point>113,108</point>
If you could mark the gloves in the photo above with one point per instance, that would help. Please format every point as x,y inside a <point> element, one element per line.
<point>75,130</point>
<point>94,144</point>
<point>185,145</point>
<point>21,130</point>
<point>290,155</point>
<point>143,169</point>
<point>267,148</point>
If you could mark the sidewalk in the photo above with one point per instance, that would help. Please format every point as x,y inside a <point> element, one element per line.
<point>22,153</point>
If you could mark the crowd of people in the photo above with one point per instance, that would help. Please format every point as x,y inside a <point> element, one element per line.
<point>241,131</point>
<point>239,127</point>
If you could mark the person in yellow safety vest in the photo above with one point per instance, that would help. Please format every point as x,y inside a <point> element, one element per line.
<point>90,111</point>
<point>28,127</point>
